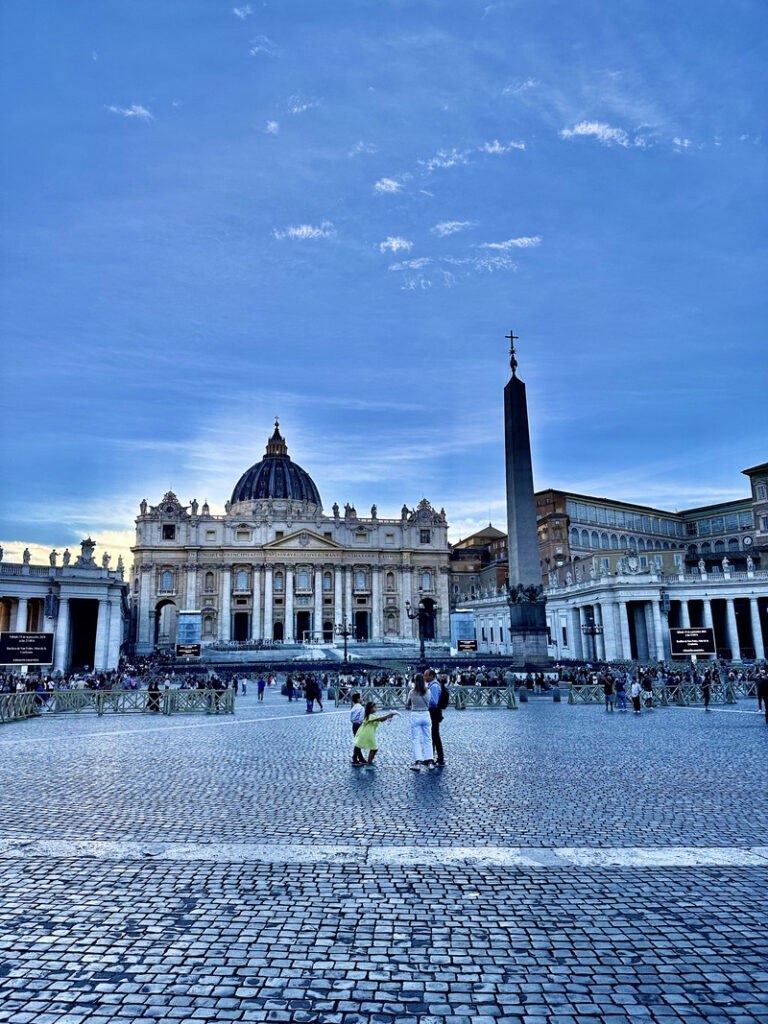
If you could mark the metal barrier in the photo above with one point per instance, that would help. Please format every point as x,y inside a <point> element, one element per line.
<point>682,695</point>
<point>17,706</point>
<point>67,702</point>
<point>463,698</point>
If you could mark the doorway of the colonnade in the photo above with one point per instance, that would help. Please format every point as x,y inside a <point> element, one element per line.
<point>240,622</point>
<point>83,620</point>
<point>304,627</point>
<point>362,625</point>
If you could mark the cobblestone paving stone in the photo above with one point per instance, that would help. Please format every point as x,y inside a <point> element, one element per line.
<point>94,941</point>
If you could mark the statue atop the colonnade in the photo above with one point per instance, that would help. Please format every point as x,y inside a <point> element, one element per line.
<point>85,559</point>
<point>26,557</point>
<point>66,557</point>
<point>53,556</point>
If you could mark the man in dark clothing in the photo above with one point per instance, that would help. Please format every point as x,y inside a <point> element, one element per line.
<point>435,714</point>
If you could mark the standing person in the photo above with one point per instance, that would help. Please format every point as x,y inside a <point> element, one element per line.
<point>610,696</point>
<point>648,692</point>
<point>366,739</point>
<point>311,694</point>
<point>621,694</point>
<point>244,686</point>
<point>634,692</point>
<point>435,693</point>
<point>356,716</point>
<point>706,690</point>
<point>289,688</point>
<point>762,692</point>
<point>421,726</point>
<point>261,685</point>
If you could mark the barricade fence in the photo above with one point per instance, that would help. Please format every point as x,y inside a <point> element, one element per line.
<point>681,695</point>
<point>15,706</point>
<point>463,698</point>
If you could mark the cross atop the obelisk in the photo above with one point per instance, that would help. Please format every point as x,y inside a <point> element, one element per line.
<point>512,338</point>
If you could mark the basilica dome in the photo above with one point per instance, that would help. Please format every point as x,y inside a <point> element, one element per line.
<point>276,477</point>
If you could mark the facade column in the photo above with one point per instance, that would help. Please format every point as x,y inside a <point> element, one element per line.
<point>115,634</point>
<point>733,632</point>
<point>61,641</point>
<point>406,626</point>
<point>269,627</point>
<point>144,610</point>
<point>599,640</point>
<point>608,618</point>
<point>685,615</point>
<point>376,603</point>
<point>256,603</point>
<point>444,600</point>
<point>578,636</point>
<point>22,608</point>
<point>707,612</point>
<point>626,643</point>
<point>225,614</point>
<point>191,599</point>
<point>348,608</point>
<point>288,629</point>
<point>757,632</point>
<point>338,597</point>
<point>658,631</point>
<point>318,624</point>
<point>102,632</point>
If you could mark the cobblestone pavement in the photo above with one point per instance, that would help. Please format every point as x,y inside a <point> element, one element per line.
<point>311,891</point>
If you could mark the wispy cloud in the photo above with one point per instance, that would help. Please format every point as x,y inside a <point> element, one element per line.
<point>604,133</point>
<point>417,264</point>
<point>363,147</point>
<point>395,244</point>
<point>263,44</point>
<point>242,12</point>
<point>520,87</point>
<point>306,231</point>
<point>135,110</point>
<point>387,185</point>
<point>300,105</point>
<point>524,242</point>
<point>445,158</point>
<point>497,147</point>
<point>681,143</point>
<point>272,127</point>
<point>451,227</point>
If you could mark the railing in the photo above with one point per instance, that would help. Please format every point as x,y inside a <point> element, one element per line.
<point>745,687</point>
<point>67,702</point>
<point>16,706</point>
<point>463,698</point>
<point>682,694</point>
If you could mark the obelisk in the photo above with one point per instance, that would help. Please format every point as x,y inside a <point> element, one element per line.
<point>528,621</point>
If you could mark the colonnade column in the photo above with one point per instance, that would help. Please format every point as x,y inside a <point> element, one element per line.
<point>707,613</point>
<point>102,632</point>
<point>348,609</point>
<point>256,615</point>
<point>288,629</point>
<point>268,603</point>
<point>338,598</point>
<point>733,630</point>
<point>576,641</point>
<point>144,639</point>
<point>22,608</point>
<point>115,636</point>
<point>318,626</point>
<point>61,642</point>
<point>757,632</point>
<point>376,603</point>
<point>444,600</point>
<point>406,626</point>
<point>626,643</point>
<point>685,615</point>
<point>658,631</point>
<point>191,598</point>
<point>225,616</point>
<point>600,638</point>
<point>608,617</point>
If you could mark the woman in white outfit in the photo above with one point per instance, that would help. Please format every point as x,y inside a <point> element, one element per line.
<point>421,725</point>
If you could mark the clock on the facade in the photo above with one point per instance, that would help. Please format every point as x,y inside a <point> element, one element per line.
<point>747,542</point>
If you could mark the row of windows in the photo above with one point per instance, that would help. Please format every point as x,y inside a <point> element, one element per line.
<point>585,539</point>
<point>242,581</point>
<point>169,533</point>
<point>718,547</point>
<point>627,520</point>
<point>721,524</point>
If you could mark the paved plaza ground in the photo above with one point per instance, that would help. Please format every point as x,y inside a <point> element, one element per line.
<point>566,866</point>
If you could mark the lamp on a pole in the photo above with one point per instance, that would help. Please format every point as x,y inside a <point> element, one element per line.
<point>420,614</point>
<point>593,629</point>
<point>343,629</point>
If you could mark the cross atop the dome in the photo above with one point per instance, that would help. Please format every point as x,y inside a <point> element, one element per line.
<point>276,444</point>
<point>512,338</point>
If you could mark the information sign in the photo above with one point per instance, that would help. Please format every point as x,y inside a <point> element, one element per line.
<point>463,631</point>
<point>26,648</point>
<point>187,650</point>
<point>687,641</point>
<point>466,645</point>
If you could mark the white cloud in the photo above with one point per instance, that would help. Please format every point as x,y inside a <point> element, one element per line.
<point>417,264</point>
<point>387,185</point>
<point>135,110</point>
<point>597,130</point>
<point>446,158</point>
<point>682,143</point>
<point>395,244</point>
<point>489,263</point>
<point>363,147</point>
<point>299,105</point>
<point>242,12</point>
<point>524,242</point>
<point>263,44</point>
<point>307,231</point>
<point>272,127</point>
<point>515,90</point>
<point>500,147</point>
<point>451,227</point>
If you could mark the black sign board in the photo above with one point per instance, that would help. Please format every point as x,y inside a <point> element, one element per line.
<point>466,645</point>
<point>695,640</point>
<point>187,650</point>
<point>26,648</point>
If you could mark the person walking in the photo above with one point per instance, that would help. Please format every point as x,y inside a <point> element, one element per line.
<point>634,692</point>
<point>261,685</point>
<point>762,692</point>
<point>610,696</point>
<point>356,717</point>
<point>421,726</point>
<point>289,687</point>
<point>706,690</point>
<point>366,740</point>
<point>435,689</point>
<point>621,694</point>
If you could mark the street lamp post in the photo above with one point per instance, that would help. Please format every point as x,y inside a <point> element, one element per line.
<point>420,615</point>
<point>593,629</point>
<point>344,630</point>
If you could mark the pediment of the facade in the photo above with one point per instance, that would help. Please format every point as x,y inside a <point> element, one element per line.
<point>303,540</point>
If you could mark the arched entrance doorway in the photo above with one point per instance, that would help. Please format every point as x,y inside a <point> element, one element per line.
<point>278,632</point>
<point>166,617</point>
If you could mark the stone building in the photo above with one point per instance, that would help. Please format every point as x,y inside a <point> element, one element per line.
<point>82,602</point>
<point>275,567</point>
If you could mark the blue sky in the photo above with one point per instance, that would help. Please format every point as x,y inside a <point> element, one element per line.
<point>218,212</point>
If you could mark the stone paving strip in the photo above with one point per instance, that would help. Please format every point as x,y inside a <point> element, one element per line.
<point>499,856</point>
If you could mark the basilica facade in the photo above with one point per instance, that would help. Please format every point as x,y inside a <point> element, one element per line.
<point>276,568</point>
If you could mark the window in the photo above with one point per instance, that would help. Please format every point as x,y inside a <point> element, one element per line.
<point>644,561</point>
<point>136,585</point>
<point>491,634</point>
<point>595,539</point>
<point>564,632</point>
<point>241,580</point>
<point>574,537</point>
<point>327,582</point>
<point>718,524</point>
<point>279,581</point>
<point>169,531</point>
<point>361,536</point>
<point>209,583</point>
<point>658,561</point>
<point>764,522</point>
<point>166,580</point>
<point>242,535</point>
<point>207,625</point>
<point>678,562</point>
<point>761,492</point>
<point>328,535</point>
<point>584,539</point>
<point>425,536</point>
<point>303,580</point>
<point>604,540</point>
<point>210,535</point>
<point>719,546</point>
<point>426,581</point>
<point>360,580</point>
<point>389,538</point>
<point>733,544</point>
<point>746,521</point>
<point>501,634</point>
<point>279,534</point>
<point>641,545</point>
<point>390,582</point>
<point>482,633</point>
